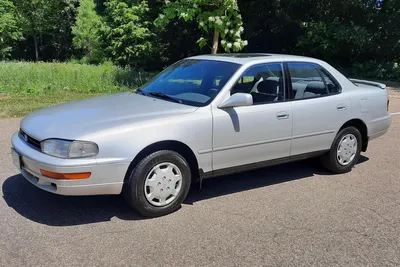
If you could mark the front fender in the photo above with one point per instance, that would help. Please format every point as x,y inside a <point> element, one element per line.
<point>125,142</point>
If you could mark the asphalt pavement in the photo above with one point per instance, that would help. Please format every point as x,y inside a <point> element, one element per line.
<point>291,215</point>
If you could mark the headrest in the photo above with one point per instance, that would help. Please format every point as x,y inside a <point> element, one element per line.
<point>316,88</point>
<point>268,87</point>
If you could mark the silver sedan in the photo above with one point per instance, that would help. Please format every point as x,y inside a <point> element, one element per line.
<point>204,116</point>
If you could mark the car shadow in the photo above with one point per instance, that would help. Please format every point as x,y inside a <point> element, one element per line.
<point>225,185</point>
<point>54,210</point>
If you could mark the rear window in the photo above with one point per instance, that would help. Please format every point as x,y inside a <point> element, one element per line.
<point>310,80</point>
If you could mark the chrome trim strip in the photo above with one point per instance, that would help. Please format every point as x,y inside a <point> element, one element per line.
<point>263,142</point>
<point>205,151</point>
<point>252,144</point>
<point>313,134</point>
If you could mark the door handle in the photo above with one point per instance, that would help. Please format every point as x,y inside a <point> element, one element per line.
<point>282,115</point>
<point>341,107</point>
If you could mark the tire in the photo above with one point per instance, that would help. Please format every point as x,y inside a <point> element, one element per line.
<point>142,192</point>
<point>338,164</point>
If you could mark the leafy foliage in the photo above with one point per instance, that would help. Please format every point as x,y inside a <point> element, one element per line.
<point>345,33</point>
<point>384,71</point>
<point>387,32</point>
<point>222,16</point>
<point>327,40</point>
<point>9,30</point>
<point>126,34</point>
<point>87,31</point>
<point>47,21</point>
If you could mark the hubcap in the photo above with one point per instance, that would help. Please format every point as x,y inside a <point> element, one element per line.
<point>163,184</point>
<point>347,149</point>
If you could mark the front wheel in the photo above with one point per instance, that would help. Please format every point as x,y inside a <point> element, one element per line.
<point>345,151</point>
<point>158,184</point>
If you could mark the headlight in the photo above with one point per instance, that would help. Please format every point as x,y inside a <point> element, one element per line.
<point>69,149</point>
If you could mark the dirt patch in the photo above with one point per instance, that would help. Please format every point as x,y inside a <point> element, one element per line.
<point>393,89</point>
<point>2,96</point>
<point>394,95</point>
<point>394,92</point>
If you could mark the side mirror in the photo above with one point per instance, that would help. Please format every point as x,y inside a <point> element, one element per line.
<point>237,100</point>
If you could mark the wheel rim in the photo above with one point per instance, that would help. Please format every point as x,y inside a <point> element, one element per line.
<point>163,184</point>
<point>347,149</point>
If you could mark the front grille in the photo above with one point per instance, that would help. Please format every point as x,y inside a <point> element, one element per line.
<point>29,140</point>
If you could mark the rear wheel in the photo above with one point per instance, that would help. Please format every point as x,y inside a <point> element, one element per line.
<point>345,151</point>
<point>158,184</point>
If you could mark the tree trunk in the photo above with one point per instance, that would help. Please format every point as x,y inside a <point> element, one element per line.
<point>36,47</point>
<point>90,48</point>
<point>214,48</point>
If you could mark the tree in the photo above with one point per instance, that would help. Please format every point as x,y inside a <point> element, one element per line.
<point>9,30</point>
<point>32,15</point>
<point>387,31</point>
<point>220,16</point>
<point>343,32</point>
<point>86,30</point>
<point>40,17</point>
<point>126,34</point>
<point>271,26</point>
<point>59,36</point>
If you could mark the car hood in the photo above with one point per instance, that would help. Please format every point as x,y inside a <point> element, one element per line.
<point>76,119</point>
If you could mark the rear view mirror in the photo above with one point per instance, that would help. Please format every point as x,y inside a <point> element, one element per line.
<point>237,100</point>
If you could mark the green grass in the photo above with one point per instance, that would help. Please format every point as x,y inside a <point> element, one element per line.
<point>21,105</point>
<point>26,87</point>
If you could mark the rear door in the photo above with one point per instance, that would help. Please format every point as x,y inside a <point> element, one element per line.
<point>319,108</point>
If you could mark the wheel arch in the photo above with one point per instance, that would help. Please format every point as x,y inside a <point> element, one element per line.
<point>172,145</point>
<point>362,128</point>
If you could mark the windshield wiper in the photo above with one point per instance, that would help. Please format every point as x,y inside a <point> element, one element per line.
<point>164,96</point>
<point>140,91</point>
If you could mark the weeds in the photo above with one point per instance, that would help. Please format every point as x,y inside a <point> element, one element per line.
<point>39,78</point>
<point>26,87</point>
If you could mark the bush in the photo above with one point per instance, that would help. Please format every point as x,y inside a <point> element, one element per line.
<point>37,78</point>
<point>385,71</point>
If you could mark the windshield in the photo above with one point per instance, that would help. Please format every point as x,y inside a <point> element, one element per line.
<point>191,81</point>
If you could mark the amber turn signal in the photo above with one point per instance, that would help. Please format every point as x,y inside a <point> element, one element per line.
<point>66,176</point>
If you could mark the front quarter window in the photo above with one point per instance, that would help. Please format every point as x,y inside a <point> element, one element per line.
<point>192,81</point>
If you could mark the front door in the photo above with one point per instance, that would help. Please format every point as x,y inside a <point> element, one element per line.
<point>257,133</point>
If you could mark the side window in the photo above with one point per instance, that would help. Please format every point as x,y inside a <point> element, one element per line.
<point>306,81</point>
<point>264,82</point>
<point>331,83</point>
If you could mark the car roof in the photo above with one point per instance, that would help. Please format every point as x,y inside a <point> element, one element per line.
<point>244,58</point>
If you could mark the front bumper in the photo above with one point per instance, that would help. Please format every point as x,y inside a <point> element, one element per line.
<point>106,177</point>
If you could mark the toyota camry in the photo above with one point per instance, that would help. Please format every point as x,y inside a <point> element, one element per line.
<point>202,117</point>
